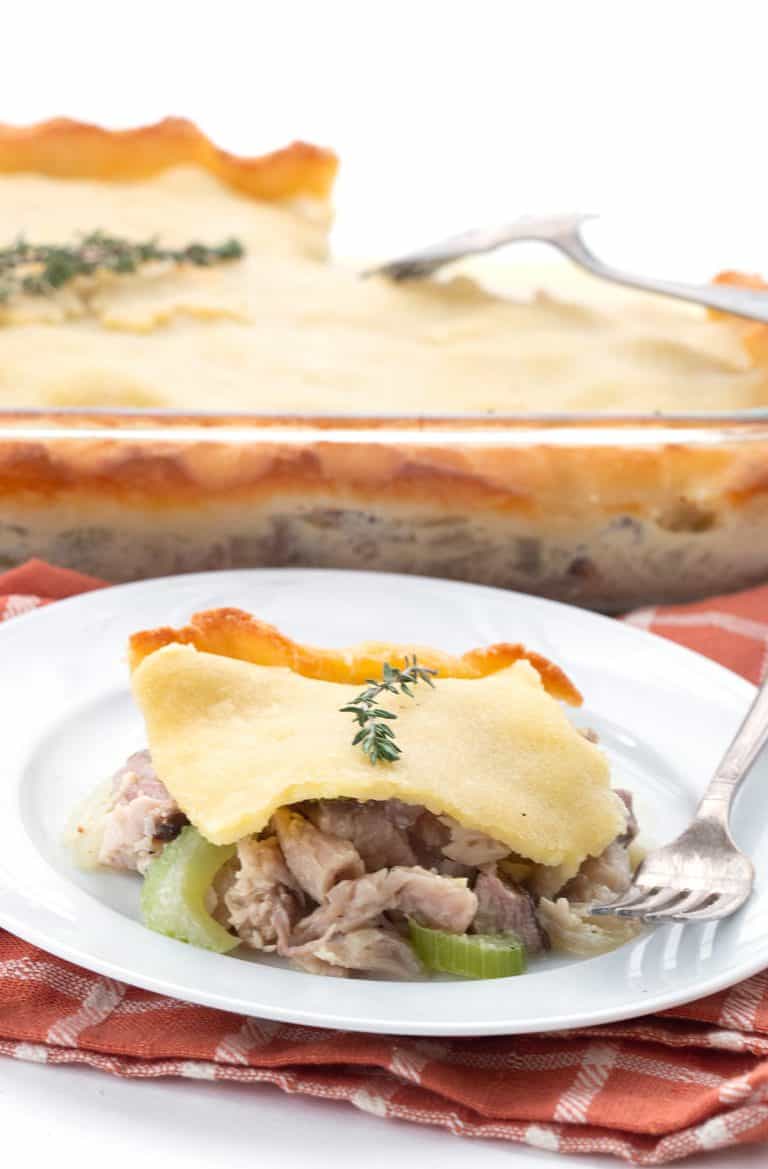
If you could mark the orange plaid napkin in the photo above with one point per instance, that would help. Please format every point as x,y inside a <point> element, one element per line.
<point>649,1091</point>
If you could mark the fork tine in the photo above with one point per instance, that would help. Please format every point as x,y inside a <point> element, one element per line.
<point>665,897</point>
<point>690,902</point>
<point>641,902</point>
<point>404,269</point>
<point>722,906</point>
<point>633,894</point>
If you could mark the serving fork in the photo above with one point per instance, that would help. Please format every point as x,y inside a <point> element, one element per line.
<point>702,875</point>
<point>564,233</point>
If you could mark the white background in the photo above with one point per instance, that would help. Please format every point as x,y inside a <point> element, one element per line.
<point>445,115</point>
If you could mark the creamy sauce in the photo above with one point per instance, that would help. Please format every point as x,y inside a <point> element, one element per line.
<point>286,330</point>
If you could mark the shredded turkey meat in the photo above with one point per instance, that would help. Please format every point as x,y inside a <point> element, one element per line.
<point>141,818</point>
<point>389,833</point>
<point>470,847</point>
<point>378,829</point>
<point>316,859</point>
<point>601,878</point>
<point>331,883</point>
<point>369,950</point>
<point>502,906</point>
<point>444,903</point>
<point>264,901</point>
<point>313,965</point>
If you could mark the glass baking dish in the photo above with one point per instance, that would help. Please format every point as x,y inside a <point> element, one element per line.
<point>607,512</point>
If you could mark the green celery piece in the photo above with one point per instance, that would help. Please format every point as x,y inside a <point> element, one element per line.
<point>175,885</point>
<point>469,955</point>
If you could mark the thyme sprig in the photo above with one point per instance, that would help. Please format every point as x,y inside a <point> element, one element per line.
<point>40,269</point>
<point>375,736</point>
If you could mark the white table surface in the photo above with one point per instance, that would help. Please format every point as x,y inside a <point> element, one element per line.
<point>445,116</point>
<point>84,1118</point>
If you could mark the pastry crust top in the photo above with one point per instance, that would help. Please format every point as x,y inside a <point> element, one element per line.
<point>282,331</point>
<point>260,347</point>
<point>234,740</point>
<point>67,149</point>
<point>234,633</point>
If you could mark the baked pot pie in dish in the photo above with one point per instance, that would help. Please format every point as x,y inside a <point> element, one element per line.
<point>188,382</point>
<point>449,818</point>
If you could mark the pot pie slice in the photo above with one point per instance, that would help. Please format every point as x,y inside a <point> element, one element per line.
<point>258,819</point>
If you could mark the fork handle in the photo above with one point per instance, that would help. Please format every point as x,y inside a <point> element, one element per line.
<point>728,298</point>
<point>747,744</point>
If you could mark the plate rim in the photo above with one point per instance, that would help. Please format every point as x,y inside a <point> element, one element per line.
<point>208,996</point>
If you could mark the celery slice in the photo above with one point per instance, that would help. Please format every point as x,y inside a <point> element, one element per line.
<point>470,955</point>
<point>175,885</point>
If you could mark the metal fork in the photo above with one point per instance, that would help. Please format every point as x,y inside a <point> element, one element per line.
<point>702,875</point>
<point>564,232</point>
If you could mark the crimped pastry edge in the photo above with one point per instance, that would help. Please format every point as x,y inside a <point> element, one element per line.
<point>235,633</point>
<point>68,149</point>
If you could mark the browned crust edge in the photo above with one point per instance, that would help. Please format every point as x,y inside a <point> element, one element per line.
<point>68,149</point>
<point>234,633</point>
<point>542,480</point>
<point>753,334</point>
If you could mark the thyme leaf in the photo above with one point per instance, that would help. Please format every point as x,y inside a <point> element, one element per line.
<point>40,269</point>
<point>375,736</point>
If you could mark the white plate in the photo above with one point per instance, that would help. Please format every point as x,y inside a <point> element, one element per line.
<point>664,715</point>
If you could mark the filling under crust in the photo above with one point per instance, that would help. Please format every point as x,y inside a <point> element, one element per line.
<point>330,883</point>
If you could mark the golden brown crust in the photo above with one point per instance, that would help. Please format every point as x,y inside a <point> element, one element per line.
<point>551,482</point>
<point>234,633</point>
<point>67,149</point>
<point>754,336</point>
<point>545,483</point>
